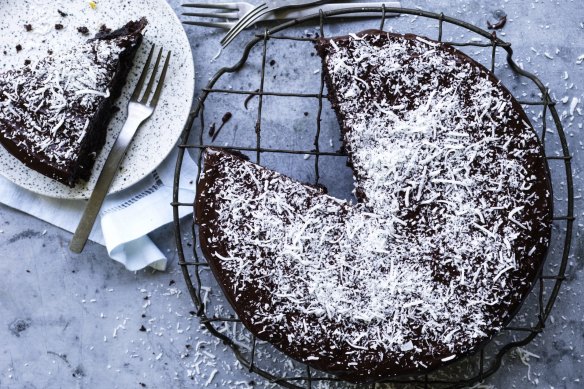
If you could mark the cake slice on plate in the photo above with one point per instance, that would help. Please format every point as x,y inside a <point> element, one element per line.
<point>54,113</point>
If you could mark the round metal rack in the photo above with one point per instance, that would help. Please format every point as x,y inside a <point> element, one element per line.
<point>465,372</point>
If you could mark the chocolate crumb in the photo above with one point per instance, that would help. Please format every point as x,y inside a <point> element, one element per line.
<point>105,29</point>
<point>26,62</point>
<point>63,14</point>
<point>224,119</point>
<point>305,113</point>
<point>142,328</point>
<point>83,30</point>
<point>28,27</point>
<point>50,52</point>
<point>272,62</point>
<point>18,48</point>
<point>172,282</point>
<point>500,23</point>
<point>58,26</point>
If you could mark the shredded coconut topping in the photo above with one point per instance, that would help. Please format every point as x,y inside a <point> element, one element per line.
<point>449,230</point>
<point>46,104</point>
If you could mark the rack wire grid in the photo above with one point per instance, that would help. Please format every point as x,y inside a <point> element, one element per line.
<point>525,326</point>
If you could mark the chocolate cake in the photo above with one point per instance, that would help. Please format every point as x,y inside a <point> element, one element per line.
<point>54,112</point>
<point>451,226</point>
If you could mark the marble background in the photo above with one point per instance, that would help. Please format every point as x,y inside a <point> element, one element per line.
<point>83,321</point>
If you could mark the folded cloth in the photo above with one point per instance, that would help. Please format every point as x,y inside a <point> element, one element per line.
<point>126,217</point>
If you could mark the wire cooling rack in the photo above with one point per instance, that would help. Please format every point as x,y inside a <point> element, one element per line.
<point>250,352</point>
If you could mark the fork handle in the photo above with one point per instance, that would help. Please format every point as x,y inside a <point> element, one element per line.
<point>306,4</point>
<point>103,184</point>
<point>299,13</point>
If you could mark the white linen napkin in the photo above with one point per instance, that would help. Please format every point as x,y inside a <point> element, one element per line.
<point>126,217</point>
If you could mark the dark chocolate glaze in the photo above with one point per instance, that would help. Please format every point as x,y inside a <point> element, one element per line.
<point>214,243</point>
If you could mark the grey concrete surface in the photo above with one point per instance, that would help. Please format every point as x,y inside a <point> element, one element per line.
<point>83,321</point>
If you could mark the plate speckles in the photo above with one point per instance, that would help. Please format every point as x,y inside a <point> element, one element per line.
<point>157,137</point>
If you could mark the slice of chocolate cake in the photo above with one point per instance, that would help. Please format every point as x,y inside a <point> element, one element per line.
<point>451,228</point>
<point>54,113</point>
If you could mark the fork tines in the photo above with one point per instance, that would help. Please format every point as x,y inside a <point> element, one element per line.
<point>226,6</point>
<point>245,21</point>
<point>223,11</point>
<point>140,85</point>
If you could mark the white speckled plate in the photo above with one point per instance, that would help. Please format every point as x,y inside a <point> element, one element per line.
<point>157,137</point>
